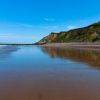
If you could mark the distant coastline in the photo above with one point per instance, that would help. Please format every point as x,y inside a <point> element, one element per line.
<point>15,44</point>
<point>71,44</point>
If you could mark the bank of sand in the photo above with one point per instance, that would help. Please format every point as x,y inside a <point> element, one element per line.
<point>93,46</point>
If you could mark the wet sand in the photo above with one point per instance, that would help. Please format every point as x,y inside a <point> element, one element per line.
<point>80,85</point>
<point>92,46</point>
<point>77,84</point>
<point>45,73</point>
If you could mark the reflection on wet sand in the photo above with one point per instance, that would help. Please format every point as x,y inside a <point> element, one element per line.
<point>90,57</point>
<point>32,75</point>
<point>6,51</point>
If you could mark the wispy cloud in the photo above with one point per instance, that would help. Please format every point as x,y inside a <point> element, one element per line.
<point>13,36</point>
<point>69,27</point>
<point>51,27</point>
<point>27,25</point>
<point>49,19</point>
<point>5,36</point>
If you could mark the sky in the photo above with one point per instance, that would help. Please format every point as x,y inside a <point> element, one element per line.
<point>27,21</point>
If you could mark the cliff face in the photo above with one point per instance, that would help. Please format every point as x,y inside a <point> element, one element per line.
<point>86,34</point>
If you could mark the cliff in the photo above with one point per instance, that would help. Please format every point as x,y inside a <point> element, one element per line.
<point>90,33</point>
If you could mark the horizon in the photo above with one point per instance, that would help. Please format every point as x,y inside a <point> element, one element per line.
<point>27,21</point>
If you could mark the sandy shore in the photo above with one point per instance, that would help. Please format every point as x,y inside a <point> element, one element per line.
<point>75,45</point>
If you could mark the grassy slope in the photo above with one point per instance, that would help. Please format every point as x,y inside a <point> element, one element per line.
<point>87,34</point>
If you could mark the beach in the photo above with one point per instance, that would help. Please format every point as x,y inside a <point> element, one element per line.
<point>93,46</point>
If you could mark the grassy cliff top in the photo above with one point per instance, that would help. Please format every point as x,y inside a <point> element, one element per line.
<point>90,33</point>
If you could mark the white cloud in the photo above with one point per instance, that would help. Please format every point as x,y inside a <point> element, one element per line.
<point>49,19</point>
<point>27,25</point>
<point>69,27</point>
<point>51,27</point>
<point>15,36</point>
<point>55,27</point>
<point>5,36</point>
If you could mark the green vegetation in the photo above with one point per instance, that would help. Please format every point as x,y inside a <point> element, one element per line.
<point>86,34</point>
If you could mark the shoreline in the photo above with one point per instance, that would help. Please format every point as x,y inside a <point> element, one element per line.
<point>71,45</point>
<point>16,44</point>
<point>85,46</point>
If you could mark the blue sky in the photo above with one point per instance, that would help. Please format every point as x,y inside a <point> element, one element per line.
<point>27,21</point>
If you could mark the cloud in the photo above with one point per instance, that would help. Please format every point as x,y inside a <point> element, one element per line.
<point>51,27</point>
<point>69,27</point>
<point>55,27</point>
<point>49,19</point>
<point>5,36</point>
<point>15,36</point>
<point>8,36</point>
<point>27,25</point>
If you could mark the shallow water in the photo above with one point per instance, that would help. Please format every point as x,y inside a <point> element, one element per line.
<point>44,73</point>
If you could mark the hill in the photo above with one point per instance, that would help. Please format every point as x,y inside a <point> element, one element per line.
<point>90,33</point>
